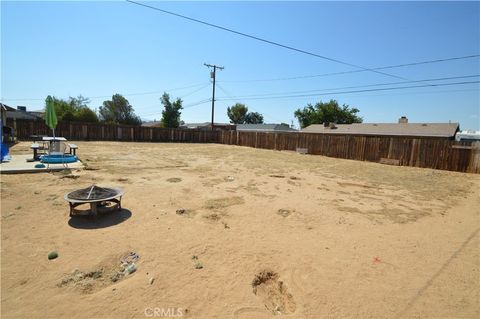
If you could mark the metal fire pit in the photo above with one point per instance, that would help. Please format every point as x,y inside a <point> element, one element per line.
<point>101,200</point>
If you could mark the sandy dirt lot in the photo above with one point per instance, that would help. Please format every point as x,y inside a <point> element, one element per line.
<point>259,234</point>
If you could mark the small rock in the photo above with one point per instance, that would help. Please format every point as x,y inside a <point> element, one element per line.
<point>230,178</point>
<point>284,212</point>
<point>10,214</point>
<point>198,266</point>
<point>52,255</point>
<point>181,211</point>
<point>151,281</point>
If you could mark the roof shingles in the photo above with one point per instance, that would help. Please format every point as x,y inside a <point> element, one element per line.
<point>389,129</point>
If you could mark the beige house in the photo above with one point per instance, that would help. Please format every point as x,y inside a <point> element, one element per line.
<point>402,128</point>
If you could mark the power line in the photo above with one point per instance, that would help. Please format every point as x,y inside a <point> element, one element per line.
<point>367,85</point>
<point>416,93</point>
<point>354,71</point>
<point>108,96</point>
<point>234,97</point>
<point>355,91</point>
<point>183,96</point>
<point>193,92</point>
<point>152,92</point>
<point>265,40</point>
<point>184,107</point>
<point>197,103</point>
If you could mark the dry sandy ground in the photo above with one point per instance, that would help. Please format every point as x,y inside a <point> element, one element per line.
<point>264,234</point>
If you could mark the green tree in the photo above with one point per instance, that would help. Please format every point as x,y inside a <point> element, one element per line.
<point>81,111</point>
<point>237,113</point>
<point>74,109</point>
<point>254,118</point>
<point>63,109</point>
<point>85,114</point>
<point>171,113</point>
<point>327,112</point>
<point>118,111</point>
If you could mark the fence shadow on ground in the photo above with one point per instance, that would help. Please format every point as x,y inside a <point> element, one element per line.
<point>101,221</point>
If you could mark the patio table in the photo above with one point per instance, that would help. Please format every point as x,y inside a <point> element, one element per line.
<point>51,139</point>
<point>41,148</point>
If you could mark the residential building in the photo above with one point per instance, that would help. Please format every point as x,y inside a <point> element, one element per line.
<point>208,126</point>
<point>20,113</point>
<point>274,128</point>
<point>402,128</point>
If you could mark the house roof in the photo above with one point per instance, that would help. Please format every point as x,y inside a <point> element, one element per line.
<point>151,123</point>
<point>391,129</point>
<point>19,114</point>
<point>5,107</point>
<point>204,124</point>
<point>264,128</point>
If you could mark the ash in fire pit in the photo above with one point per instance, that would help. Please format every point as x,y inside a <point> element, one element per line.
<point>101,200</point>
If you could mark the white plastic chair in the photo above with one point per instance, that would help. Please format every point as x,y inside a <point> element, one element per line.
<point>58,148</point>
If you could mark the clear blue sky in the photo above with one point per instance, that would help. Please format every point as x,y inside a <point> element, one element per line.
<point>100,48</point>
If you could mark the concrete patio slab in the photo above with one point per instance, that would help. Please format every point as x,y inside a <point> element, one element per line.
<point>19,164</point>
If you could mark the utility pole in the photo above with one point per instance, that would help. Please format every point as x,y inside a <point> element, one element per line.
<point>212,75</point>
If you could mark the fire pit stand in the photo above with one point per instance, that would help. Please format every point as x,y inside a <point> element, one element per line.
<point>101,200</point>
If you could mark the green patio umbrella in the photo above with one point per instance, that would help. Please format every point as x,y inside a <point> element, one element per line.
<point>50,115</point>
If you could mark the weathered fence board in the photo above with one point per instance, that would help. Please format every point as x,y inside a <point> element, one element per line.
<point>427,152</point>
<point>437,153</point>
<point>104,132</point>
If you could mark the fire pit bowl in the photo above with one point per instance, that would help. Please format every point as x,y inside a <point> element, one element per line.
<point>100,199</point>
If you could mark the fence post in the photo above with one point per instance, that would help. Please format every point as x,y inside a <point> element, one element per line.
<point>275,142</point>
<point>132,135</point>
<point>364,147</point>
<point>474,163</point>
<point>85,132</point>
<point>413,151</point>
<point>256,137</point>
<point>103,132</point>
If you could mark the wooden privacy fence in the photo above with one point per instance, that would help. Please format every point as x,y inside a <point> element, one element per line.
<point>105,132</point>
<point>437,153</point>
<point>427,152</point>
